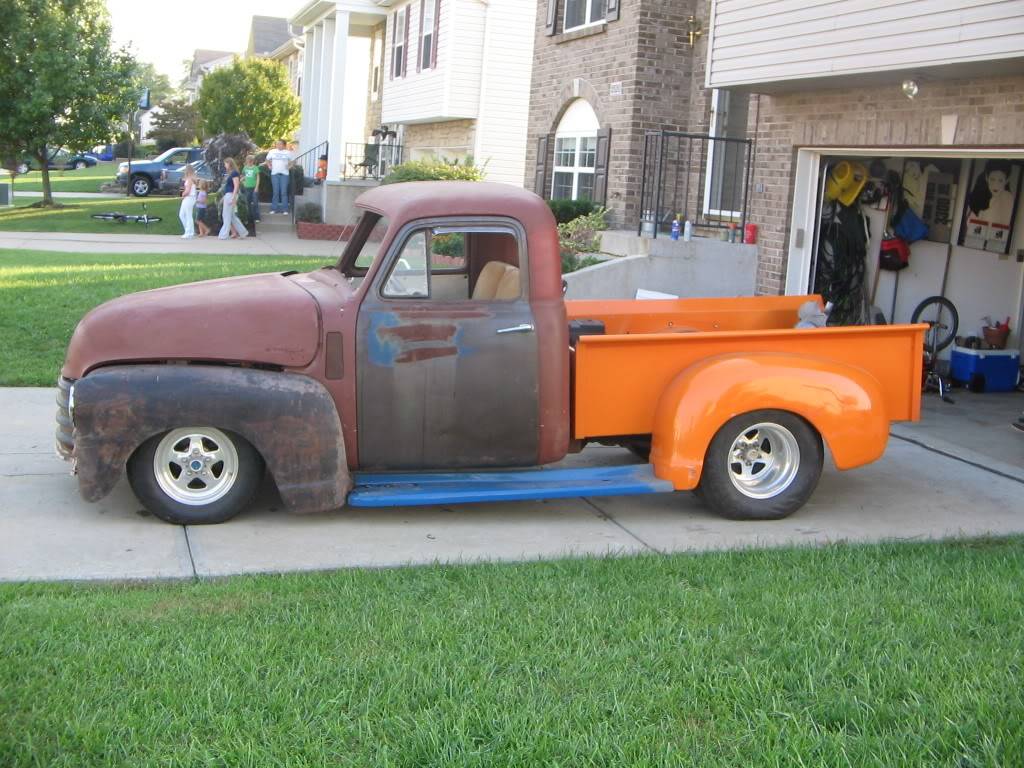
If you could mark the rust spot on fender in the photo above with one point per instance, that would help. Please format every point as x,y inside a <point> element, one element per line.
<point>425,353</point>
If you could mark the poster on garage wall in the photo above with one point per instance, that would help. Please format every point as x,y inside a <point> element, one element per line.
<point>990,207</point>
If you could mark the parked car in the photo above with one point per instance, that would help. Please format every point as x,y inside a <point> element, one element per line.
<point>104,152</point>
<point>60,160</point>
<point>171,178</point>
<point>145,174</point>
<point>437,358</point>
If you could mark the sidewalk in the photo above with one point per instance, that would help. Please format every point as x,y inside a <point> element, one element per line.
<point>275,242</point>
<point>47,532</point>
<point>98,195</point>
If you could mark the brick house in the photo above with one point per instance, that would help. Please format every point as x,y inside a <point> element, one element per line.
<point>809,86</point>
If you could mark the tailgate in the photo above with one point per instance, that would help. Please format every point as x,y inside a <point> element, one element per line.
<point>620,378</point>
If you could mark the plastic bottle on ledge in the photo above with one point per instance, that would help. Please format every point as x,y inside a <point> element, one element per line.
<point>674,234</point>
<point>687,231</point>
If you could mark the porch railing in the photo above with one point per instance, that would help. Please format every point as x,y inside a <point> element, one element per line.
<point>700,178</point>
<point>307,160</point>
<point>370,161</point>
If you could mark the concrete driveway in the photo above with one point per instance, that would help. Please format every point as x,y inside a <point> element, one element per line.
<point>47,532</point>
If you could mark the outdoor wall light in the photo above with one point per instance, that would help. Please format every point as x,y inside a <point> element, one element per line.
<point>910,88</point>
<point>695,30</point>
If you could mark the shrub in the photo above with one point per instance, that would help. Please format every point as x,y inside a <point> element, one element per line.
<point>310,213</point>
<point>567,210</point>
<point>580,236</point>
<point>434,170</point>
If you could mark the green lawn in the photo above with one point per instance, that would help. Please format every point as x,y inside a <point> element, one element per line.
<point>85,180</point>
<point>76,216</point>
<point>43,295</point>
<point>893,655</point>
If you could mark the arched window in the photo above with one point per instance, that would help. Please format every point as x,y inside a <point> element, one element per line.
<point>575,153</point>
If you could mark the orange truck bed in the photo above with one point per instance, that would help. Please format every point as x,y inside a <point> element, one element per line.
<point>679,369</point>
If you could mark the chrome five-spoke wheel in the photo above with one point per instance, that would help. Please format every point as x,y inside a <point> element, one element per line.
<point>195,475</point>
<point>195,466</point>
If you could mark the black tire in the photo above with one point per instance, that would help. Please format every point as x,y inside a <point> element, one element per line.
<point>768,468</point>
<point>943,321</point>
<point>141,185</point>
<point>108,216</point>
<point>142,475</point>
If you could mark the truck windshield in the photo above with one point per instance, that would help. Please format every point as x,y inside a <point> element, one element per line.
<point>362,247</point>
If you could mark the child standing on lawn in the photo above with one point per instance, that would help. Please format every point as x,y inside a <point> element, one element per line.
<point>201,196</point>
<point>251,185</point>
<point>188,202</point>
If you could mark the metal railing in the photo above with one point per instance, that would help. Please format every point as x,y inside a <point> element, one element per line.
<point>307,160</point>
<point>370,161</point>
<point>678,179</point>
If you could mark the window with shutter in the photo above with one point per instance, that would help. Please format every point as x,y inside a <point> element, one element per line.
<point>398,43</point>
<point>428,34</point>
<point>583,13</point>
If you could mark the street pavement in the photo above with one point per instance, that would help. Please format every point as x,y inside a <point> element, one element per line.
<point>48,533</point>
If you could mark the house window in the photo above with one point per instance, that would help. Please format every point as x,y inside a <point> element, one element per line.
<point>428,21</point>
<point>582,13</point>
<point>398,43</point>
<point>575,153</point>
<point>723,185</point>
<point>376,56</point>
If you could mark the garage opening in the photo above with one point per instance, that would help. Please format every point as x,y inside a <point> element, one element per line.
<point>894,235</point>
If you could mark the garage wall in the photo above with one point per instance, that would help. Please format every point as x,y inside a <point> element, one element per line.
<point>979,284</point>
<point>987,112</point>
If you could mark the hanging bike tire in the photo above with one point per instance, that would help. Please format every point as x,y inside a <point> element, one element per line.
<point>943,322</point>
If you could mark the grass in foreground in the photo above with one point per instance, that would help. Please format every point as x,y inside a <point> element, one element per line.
<point>43,295</point>
<point>75,215</point>
<point>894,655</point>
<point>84,180</point>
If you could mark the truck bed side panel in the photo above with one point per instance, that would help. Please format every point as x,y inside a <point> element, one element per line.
<point>619,379</point>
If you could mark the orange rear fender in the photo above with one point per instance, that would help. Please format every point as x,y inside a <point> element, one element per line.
<point>844,403</point>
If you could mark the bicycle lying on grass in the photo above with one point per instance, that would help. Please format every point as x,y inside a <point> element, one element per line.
<point>124,218</point>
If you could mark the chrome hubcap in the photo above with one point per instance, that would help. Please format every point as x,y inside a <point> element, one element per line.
<point>763,461</point>
<point>195,465</point>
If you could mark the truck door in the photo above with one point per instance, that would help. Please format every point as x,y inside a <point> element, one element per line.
<point>447,349</point>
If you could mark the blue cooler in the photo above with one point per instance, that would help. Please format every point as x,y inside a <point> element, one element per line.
<point>987,370</point>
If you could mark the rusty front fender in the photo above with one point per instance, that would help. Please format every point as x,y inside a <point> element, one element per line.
<point>290,419</point>
<point>843,403</point>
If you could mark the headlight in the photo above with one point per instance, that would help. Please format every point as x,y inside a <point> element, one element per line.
<point>122,168</point>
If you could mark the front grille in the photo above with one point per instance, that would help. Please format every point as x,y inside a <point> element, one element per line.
<point>65,428</point>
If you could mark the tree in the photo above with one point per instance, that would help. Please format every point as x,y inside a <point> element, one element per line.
<point>177,125</point>
<point>252,96</point>
<point>145,75</point>
<point>61,84</point>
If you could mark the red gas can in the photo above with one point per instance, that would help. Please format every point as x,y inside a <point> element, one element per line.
<point>750,234</point>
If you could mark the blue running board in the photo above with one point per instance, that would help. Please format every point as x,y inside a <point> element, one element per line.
<point>393,489</point>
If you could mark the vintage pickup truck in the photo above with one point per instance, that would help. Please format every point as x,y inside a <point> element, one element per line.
<point>437,362</point>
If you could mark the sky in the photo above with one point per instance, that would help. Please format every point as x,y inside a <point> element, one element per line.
<point>165,34</point>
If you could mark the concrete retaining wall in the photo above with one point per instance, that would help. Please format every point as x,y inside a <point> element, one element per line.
<point>700,267</point>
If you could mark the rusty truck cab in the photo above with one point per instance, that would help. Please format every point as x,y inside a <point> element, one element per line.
<point>461,339</point>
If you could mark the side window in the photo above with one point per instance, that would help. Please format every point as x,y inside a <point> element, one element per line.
<point>447,251</point>
<point>456,263</point>
<point>408,277</point>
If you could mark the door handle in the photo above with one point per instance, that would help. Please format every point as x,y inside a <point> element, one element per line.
<point>521,328</point>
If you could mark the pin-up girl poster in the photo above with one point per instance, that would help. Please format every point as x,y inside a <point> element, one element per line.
<point>991,206</point>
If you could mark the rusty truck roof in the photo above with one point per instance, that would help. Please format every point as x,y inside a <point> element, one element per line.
<point>427,199</point>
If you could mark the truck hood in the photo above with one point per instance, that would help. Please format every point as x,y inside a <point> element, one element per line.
<point>253,319</point>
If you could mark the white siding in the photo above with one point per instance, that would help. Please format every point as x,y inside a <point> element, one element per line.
<point>771,41</point>
<point>466,64</point>
<point>505,90</point>
<point>446,92</point>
